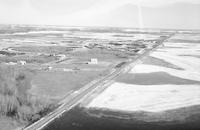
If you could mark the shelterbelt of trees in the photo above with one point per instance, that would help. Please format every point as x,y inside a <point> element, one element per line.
<point>15,100</point>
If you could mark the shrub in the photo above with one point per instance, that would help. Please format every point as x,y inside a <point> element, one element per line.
<point>15,101</point>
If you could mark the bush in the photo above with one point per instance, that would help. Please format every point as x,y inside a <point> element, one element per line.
<point>15,101</point>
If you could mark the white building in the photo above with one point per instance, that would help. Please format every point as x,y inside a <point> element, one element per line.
<point>50,67</point>
<point>62,56</point>
<point>93,61</point>
<point>22,62</point>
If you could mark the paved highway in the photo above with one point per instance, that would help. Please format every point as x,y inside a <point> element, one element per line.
<point>77,97</point>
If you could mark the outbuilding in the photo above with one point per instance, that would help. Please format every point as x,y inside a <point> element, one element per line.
<point>22,62</point>
<point>93,61</point>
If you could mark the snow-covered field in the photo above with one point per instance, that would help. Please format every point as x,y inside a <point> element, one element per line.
<point>125,96</point>
<point>187,36</point>
<point>151,98</point>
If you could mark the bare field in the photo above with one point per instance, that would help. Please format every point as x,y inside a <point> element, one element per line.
<point>55,85</point>
<point>42,49</point>
<point>9,124</point>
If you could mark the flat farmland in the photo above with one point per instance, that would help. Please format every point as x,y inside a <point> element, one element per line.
<point>55,85</point>
<point>165,87</point>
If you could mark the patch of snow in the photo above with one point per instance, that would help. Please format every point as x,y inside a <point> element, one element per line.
<point>151,98</point>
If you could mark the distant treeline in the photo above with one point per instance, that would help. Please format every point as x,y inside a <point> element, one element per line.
<point>15,100</point>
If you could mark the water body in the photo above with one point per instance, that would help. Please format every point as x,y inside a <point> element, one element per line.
<point>78,119</point>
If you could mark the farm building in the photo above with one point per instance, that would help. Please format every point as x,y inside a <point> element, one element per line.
<point>93,61</point>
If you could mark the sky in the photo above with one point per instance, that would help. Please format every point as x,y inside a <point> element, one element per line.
<point>99,13</point>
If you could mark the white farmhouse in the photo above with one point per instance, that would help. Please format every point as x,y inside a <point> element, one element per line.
<point>93,61</point>
<point>22,62</point>
<point>62,56</point>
